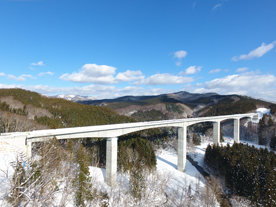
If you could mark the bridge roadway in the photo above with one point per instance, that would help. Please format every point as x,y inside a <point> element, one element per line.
<point>23,140</point>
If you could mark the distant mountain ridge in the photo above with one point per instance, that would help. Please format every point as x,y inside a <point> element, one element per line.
<point>74,98</point>
<point>181,104</point>
<point>188,97</point>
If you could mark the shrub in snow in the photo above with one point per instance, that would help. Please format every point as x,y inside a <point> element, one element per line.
<point>196,139</point>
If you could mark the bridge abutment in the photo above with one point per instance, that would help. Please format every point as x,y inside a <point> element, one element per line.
<point>216,133</point>
<point>237,130</point>
<point>111,161</point>
<point>182,139</point>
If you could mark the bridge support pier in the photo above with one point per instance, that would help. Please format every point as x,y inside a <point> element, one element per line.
<point>216,133</point>
<point>111,161</point>
<point>237,130</point>
<point>182,137</point>
<point>28,149</point>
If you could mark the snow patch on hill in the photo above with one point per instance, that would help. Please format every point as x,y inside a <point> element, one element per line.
<point>262,111</point>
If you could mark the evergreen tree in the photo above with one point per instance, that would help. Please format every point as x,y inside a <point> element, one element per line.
<point>248,171</point>
<point>83,181</point>
<point>196,139</point>
<point>70,146</point>
<point>137,181</point>
<point>221,136</point>
<point>270,122</point>
<point>135,150</point>
<point>261,139</point>
<point>262,122</point>
<point>273,142</point>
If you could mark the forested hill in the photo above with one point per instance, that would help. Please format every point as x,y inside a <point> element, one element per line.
<point>37,111</point>
<point>233,105</point>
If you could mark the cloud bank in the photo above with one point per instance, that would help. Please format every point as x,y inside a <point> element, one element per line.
<point>251,84</point>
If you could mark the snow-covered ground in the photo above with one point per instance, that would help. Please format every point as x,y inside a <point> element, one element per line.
<point>166,174</point>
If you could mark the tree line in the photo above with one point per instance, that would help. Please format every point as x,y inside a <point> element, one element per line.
<point>247,171</point>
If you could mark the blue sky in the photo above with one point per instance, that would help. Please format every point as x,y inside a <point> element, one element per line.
<point>114,48</point>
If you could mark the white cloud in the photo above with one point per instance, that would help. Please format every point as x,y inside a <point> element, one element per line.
<point>20,78</point>
<point>92,73</point>
<point>245,81</point>
<point>93,90</point>
<point>215,71</point>
<point>97,91</point>
<point>129,76</point>
<point>204,90</point>
<point>45,73</point>
<point>241,70</point>
<point>2,74</point>
<point>256,53</point>
<point>40,63</point>
<point>251,83</point>
<point>179,55</point>
<point>130,89</point>
<point>98,70</point>
<point>102,74</point>
<point>191,70</point>
<point>216,7</point>
<point>166,79</point>
<point>178,63</point>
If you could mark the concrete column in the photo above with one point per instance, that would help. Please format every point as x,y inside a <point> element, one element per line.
<point>28,148</point>
<point>182,137</point>
<point>216,132</point>
<point>237,130</point>
<point>111,161</point>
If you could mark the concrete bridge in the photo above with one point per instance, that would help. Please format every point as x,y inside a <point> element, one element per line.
<point>23,140</point>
